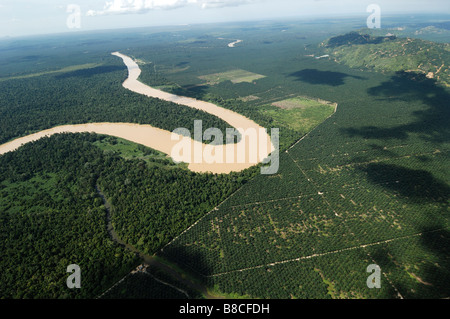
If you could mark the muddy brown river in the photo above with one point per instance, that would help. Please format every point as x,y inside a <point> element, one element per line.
<point>250,150</point>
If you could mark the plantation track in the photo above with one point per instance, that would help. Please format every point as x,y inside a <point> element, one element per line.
<point>327,253</point>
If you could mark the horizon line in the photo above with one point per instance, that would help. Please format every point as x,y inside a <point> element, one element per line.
<point>305,17</point>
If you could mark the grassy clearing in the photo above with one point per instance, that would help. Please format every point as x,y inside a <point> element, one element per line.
<point>299,114</point>
<point>301,103</point>
<point>235,76</point>
<point>130,150</point>
<point>249,98</point>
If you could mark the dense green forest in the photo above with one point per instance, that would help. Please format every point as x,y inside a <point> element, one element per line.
<point>51,215</point>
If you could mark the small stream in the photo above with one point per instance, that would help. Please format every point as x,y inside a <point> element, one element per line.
<point>147,259</point>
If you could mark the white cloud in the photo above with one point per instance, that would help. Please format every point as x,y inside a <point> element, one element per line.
<point>142,6</point>
<point>206,4</point>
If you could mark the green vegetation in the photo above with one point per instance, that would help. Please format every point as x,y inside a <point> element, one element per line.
<point>389,53</point>
<point>323,277</point>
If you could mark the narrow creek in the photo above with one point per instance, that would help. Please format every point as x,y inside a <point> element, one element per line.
<point>147,259</point>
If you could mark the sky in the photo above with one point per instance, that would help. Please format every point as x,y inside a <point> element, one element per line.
<point>30,17</point>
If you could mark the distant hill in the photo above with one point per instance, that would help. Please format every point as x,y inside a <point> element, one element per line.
<point>391,53</point>
<point>355,38</point>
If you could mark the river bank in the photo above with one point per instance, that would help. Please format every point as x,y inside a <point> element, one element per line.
<point>222,158</point>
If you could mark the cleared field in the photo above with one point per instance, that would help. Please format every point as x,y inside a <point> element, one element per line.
<point>235,76</point>
<point>249,98</point>
<point>301,103</point>
<point>299,114</point>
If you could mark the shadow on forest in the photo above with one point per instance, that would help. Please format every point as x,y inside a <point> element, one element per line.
<point>194,91</point>
<point>432,124</point>
<point>86,73</point>
<point>182,64</point>
<point>430,279</point>
<point>314,76</point>
<point>381,150</point>
<point>142,286</point>
<point>438,242</point>
<point>377,150</point>
<point>192,263</point>
<point>418,185</point>
<point>29,58</point>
